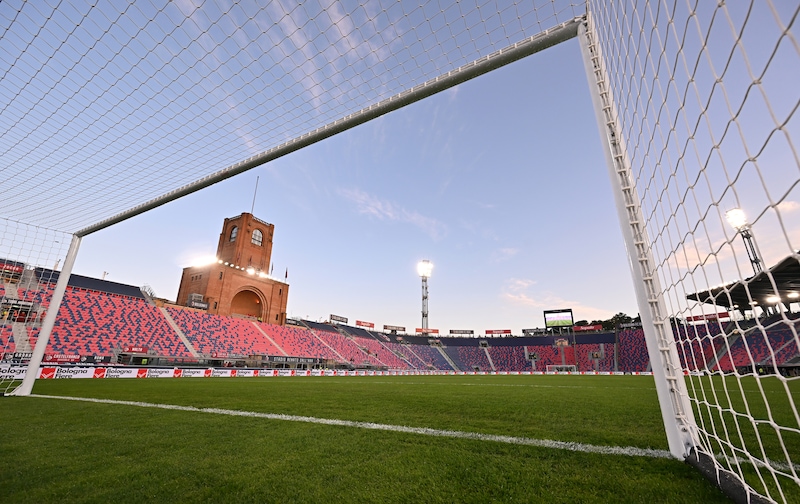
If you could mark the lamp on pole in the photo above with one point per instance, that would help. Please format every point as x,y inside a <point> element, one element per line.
<point>424,268</point>
<point>738,220</point>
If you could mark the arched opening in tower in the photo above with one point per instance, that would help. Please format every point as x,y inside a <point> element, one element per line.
<point>249,304</point>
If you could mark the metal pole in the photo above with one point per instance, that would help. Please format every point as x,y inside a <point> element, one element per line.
<point>424,302</point>
<point>752,253</point>
<point>49,321</point>
<point>676,411</point>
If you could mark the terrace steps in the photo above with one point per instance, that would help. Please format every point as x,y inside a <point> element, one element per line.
<point>448,359</point>
<point>181,335</point>
<point>21,341</point>
<point>269,338</point>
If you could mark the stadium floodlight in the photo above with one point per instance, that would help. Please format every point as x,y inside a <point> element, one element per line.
<point>738,220</point>
<point>424,269</point>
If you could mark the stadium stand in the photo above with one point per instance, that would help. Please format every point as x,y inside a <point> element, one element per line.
<point>358,346</point>
<point>101,322</point>
<point>98,323</point>
<point>351,352</point>
<point>569,355</point>
<point>383,353</point>
<point>6,337</point>
<point>547,355</point>
<point>633,355</point>
<point>407,353</point>
<point>469,358</point>
<point>509,358</point>
<point>432,357</point>
<point>761,345</point>
<point>586,362</point>
<point>222,336</point>
<point>789,352</point>
<point>300,342</point>
<point>698,345</point>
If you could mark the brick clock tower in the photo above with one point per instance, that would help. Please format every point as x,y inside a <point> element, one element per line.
<point>239,283</point>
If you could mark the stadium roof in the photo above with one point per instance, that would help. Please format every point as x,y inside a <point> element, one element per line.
<point>110,107</point>
<point>782,280</point>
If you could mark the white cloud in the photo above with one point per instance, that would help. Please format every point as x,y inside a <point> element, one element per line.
<point>504,254</point>
<point>375,207</point>
<point>788,206</point>
<point>517,284</point>
<point>517,292</point>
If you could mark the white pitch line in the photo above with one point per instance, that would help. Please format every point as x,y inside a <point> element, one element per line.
<point>629,451</point>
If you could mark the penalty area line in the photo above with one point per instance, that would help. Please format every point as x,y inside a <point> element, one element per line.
<point>630,451</point>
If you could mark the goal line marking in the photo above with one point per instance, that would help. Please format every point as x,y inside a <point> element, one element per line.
<point>630,451</point>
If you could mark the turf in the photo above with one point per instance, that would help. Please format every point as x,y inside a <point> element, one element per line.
<point>57,451</point>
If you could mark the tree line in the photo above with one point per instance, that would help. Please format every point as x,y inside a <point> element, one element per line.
<point>613,322</point>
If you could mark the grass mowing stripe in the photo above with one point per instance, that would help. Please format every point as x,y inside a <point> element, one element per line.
<point>541,443</point>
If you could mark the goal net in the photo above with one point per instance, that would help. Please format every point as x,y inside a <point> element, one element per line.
<point>700,127</point>
<point>113,109</point>
<point>30,259</point>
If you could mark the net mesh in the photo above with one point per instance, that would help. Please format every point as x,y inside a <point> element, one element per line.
<point>706,99</point>
<point>28,257</point>
<point>107,105</point>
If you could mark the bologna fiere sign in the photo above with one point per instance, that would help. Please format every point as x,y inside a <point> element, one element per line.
<point>16,372</point>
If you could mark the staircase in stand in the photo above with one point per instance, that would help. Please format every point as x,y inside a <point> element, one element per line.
<point>21,341</point>
<point>448,359</point>
<point>262,331</point>
<point>181,335</point>
<point>489,357</point>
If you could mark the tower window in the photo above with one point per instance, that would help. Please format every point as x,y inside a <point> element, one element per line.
<point>234,232</point>
<point>258,237</point>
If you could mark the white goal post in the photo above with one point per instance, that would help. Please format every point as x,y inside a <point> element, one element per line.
<point>696,105</point>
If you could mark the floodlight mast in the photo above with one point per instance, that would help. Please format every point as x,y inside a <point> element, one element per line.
<point>738,220</point>
<point>424,269</point>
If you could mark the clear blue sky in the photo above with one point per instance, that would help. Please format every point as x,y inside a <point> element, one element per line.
<point>500,182</point>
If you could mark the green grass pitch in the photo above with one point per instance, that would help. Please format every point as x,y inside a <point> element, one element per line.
<point>67,451</point>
